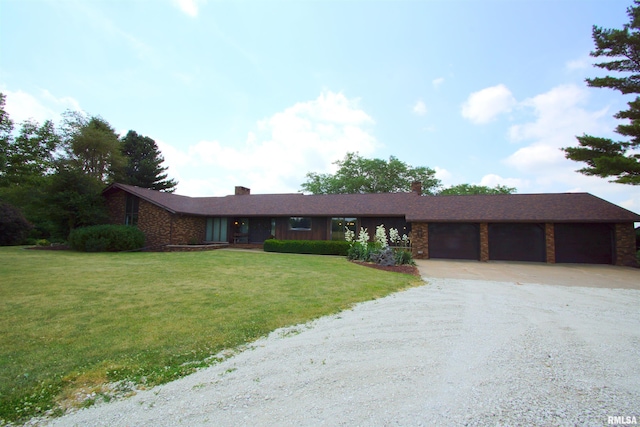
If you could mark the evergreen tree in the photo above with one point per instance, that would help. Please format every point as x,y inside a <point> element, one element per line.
<point>605,157</point>
<point>143,166</point>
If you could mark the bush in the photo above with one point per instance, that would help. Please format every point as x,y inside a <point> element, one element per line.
<point>404,257</point>
<point>106,238</point>
<point>385,257</point>
<point>14,228</point>
<point>372,252</point>
<point>316,247</point>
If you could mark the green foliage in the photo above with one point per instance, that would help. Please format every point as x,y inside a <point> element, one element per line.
<point>106,238</point>
<point>14,228</point>
<point>404,257</point>
<point>93,146</point>
<point>316,247</point>
<point>360,252</point>
<point>359,175</point>
<point>605,157</point>
<point>144,164</point>
<point>6,128</point>
<point>30,156</point>
<point>470,189</point>
<point>74,199</point>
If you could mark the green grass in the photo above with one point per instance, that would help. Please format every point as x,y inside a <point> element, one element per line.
<point>71,324</point>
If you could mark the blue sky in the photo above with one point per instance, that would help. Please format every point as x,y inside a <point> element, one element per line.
<point>258,93</point>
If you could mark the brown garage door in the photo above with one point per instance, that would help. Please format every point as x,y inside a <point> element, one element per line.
<point>454,241</point>
<point>584,243</point>
<point>517,242</point>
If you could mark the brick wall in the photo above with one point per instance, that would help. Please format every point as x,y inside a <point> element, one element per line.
<point>625,245</point>
<point>484,241</point>
<point>550,242</point>
<point>155,223</point>
<point>116,205</point>
<point>188,229</point>
<point>420,240</point>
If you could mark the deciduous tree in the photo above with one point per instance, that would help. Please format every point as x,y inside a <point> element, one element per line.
<point>93,146</point>
<point>30,156</point>
<point>356,174</point>
<point>470,189</point>
<point>6,129</point>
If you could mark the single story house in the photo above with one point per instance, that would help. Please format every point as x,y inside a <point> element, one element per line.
<point>552,228</point>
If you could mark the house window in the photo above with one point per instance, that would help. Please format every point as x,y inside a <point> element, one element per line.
<point>131,210</point>
<point>300,223</point>
<point>216,230</point>
<point>338,227</point>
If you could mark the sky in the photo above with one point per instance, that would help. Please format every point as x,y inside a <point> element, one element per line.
<point>259,93</point>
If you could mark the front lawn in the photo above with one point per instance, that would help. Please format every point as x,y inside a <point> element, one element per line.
<point>77,327</point>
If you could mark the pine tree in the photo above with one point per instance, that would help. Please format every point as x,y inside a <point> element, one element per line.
<point>144,164</point>
<point>605,157</point>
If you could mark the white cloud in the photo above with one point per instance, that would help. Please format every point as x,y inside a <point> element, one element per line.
<point>276,156</point>
<point>559,113</point>
<point>485,105</point>
<point>582,63</point>
<point>558,116</point>
<point>444,176</point>
<point>437,82</point>
<point>420,108</point>
<point>43,106</point>
<point>189,7</point>
<point>492,180</point>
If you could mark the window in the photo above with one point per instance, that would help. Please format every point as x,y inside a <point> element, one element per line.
<point>338,227</point>
<point>300,223</point>
<point>131,210</point>
<point>216,230</point>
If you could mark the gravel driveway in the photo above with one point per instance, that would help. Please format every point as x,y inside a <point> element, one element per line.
<point>455,351</point>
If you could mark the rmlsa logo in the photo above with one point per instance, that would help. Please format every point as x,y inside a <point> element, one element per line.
<point>622,421</point>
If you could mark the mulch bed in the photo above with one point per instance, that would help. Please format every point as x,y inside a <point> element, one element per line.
<point>406,269</point>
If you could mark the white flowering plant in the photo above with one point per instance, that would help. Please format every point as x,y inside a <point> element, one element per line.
<point>379,250</point>
<point>381,236</point>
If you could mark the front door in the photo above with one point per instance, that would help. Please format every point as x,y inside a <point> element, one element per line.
<point>241,230</point>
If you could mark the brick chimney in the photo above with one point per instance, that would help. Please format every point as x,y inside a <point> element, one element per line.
<point>416,187</point>
<point>242,191</point>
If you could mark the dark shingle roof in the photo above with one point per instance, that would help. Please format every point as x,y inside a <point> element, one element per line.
<point>563,207</point>
<point>560,207</point>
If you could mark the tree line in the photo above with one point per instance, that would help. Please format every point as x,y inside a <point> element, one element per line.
<point>356,174</point>
<point>52,178</point>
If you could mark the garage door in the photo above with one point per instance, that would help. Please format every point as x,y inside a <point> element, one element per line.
<point>517,242</point>
<point>584,243</point>
<point>454,241</point>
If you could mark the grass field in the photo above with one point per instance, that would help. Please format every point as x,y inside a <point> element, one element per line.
<point>74,324</point>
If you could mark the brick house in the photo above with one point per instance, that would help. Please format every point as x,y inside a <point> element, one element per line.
<point>567,227</point>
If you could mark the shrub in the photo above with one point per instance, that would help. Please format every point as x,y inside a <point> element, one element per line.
<point>404,257</point>
<point>316,247</point>
<point>106,238</point>
<point>360,252</point>
<point>14,228</point>
<point>384,257</point>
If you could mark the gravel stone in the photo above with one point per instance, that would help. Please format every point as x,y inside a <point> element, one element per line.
<point>451,352</point>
